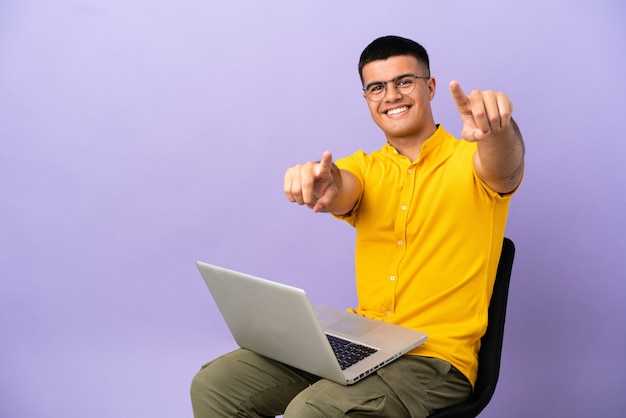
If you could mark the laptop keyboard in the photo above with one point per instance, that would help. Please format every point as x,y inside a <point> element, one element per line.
<point>347,352</point>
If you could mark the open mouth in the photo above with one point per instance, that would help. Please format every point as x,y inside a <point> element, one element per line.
<point>397,110</point>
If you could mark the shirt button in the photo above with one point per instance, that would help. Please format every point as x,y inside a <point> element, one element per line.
<point>409,171</point>
<point>388,313</point>
<point>392,278</point>
<point>400,242</point>
<point>403,207</point>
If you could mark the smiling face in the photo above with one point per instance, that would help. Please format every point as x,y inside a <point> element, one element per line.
<point>401,117</point>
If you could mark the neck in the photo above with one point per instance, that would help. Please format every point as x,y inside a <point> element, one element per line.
<point>410,146</point>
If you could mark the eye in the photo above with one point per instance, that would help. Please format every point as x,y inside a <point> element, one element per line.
<point>405,81</point>
<point>376,88</point>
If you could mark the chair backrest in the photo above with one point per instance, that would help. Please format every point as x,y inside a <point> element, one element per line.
<point>491,343</point>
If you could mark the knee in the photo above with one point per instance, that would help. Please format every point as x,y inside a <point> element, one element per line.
<point>311,403</point>
<point>208,388</point>
<point>213,376</point>
<point>328,399</point>
<point>199,383</point>
<point>299,407</point>
<point>200,391</point>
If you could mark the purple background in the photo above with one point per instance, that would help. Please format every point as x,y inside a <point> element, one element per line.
<point>138,136</point>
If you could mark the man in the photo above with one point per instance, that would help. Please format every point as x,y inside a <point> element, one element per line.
<point>430,213</point>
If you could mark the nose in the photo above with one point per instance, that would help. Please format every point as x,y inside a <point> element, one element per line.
<point>392,93</point>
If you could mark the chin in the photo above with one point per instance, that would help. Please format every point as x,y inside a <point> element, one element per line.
<point>399,131</point>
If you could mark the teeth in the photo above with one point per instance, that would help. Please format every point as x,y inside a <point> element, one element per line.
<point>397,110</point>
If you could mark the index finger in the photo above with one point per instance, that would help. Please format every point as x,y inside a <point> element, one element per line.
<point>458,95</point>
<point>325,163</point>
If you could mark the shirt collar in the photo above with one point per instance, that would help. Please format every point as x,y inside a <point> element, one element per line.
<point>430,144</point>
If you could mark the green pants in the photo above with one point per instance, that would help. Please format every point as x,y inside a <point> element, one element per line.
<point>245,384</point>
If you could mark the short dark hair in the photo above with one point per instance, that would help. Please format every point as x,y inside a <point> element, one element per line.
<point>391,46</point>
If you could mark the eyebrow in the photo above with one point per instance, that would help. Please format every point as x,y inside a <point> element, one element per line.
<point>373,83</point>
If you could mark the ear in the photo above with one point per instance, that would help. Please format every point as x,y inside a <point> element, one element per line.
<point>432,86</point>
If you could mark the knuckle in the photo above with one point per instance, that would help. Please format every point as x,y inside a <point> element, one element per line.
<point>480,112</point>
<point>306,182</point>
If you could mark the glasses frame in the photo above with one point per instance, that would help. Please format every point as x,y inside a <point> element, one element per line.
<point>395,85</point>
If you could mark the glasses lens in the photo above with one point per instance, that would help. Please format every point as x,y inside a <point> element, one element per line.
<point>406,84</point>
<point>375,92</point>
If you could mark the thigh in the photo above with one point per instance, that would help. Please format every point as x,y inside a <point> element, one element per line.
<point>243,383</point>
<point>409,387</point>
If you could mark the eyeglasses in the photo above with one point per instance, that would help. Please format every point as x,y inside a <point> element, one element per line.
<point>404,84</point>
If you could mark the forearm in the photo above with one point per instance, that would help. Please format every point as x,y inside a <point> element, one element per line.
<point>499,160</point>
<point>349,191</point>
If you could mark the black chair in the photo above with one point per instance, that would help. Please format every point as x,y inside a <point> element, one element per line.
<point>491,343</point>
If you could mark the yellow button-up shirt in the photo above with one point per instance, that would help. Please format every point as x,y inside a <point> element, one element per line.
<point>429,236</point>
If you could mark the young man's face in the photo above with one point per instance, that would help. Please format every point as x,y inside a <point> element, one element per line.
<point>401,115</point>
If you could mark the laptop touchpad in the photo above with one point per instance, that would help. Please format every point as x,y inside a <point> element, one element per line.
<point>353,326</point>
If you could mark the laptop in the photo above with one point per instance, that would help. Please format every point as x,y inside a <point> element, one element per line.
<point>278,321</point>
